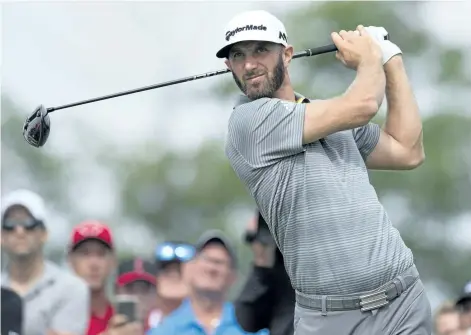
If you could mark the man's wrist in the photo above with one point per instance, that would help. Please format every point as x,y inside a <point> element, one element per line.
<point>395,63</point>
<point>370,63</point>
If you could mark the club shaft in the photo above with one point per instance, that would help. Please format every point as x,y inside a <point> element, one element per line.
<point>305,53</point>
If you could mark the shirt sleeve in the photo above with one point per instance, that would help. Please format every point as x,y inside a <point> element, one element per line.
<point>366,138</point>
<point>266,130</point>
<point>72,314</point>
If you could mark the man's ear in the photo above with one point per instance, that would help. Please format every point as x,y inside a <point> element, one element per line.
<point>288,54</point>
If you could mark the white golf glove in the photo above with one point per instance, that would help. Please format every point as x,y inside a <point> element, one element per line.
<point>388,48</point>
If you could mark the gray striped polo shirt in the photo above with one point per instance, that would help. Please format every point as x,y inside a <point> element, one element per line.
<point>322,211</point>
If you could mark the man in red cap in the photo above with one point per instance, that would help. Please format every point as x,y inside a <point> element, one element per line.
<point>136,277</point>
<point>92,256</point>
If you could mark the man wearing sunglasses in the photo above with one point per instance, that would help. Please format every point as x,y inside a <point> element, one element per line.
<point>54,300</point>
<point>170,258</point>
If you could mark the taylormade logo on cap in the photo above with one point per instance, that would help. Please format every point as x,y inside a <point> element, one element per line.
<point>257,25</point>
<point>231,33</point>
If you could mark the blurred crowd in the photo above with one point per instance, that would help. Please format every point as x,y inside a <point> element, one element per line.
<point>181,288</point>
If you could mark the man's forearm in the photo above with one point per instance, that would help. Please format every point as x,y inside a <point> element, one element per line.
<point>403,120</point>
<point>370,80</point>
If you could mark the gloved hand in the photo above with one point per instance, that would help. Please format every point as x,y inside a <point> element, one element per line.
<point>388,48</point>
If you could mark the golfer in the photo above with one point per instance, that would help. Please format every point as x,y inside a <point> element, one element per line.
<point>305,163</point>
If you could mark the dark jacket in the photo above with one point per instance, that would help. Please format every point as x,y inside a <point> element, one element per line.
<point>12,312</point>
<point>267,301</point>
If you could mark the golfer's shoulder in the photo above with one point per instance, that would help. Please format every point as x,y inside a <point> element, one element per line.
<point>246,110</point>
<point>243,103</point>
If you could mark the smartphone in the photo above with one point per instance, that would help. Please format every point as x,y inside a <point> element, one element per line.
<point>126,305</point>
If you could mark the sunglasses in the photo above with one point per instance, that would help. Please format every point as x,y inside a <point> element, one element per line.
<point>28,224</point>
<point>37,127</point>
<point>174,252</point>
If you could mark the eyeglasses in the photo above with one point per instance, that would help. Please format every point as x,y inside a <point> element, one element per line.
<point>28,224</point>
<point>174,252</point>
<point>37,127</point>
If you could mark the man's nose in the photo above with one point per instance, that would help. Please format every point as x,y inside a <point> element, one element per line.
<point>250,63</point>
<point>19,229</point>
<point>95,261</point>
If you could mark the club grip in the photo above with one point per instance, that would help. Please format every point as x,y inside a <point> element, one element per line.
<point>321,50</point>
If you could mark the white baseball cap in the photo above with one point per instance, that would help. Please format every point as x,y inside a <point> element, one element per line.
<point>256,25</point>
<point>28,199</point>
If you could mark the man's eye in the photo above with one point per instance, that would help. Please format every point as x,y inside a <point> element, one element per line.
<point>261,49</point>
<point>236,54</point>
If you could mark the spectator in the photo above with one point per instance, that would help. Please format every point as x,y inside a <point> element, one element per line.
<point>136,277</point>
<point>12,313</point>
<point>92,256</point>
<point>170,258</point>
<point>447,321</point>
<point>210,275</point>
<point>464,306</point>
<point>54,300</point>
<point>267,299</point>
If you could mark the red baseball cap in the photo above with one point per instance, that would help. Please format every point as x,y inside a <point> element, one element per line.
<point>91,230</point>
<point>136,269</point>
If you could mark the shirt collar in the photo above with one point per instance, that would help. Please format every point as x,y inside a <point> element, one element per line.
<point>186,316</point>
<point>243,99</point>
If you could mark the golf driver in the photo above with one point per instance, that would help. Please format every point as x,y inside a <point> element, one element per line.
<point>37,127</point>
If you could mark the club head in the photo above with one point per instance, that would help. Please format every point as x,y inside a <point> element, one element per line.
<point>37,127</point>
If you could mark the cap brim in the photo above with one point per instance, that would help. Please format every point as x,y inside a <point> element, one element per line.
<point>224,52</point>
<point>23,206</point>
<point>216,237</point>
<point>76,245</point>
<point>212,239</point>
<point>131,277</point>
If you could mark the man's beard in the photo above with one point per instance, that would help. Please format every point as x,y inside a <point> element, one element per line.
<point>272,86</point>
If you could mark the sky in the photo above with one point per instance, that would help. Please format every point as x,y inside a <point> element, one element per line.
<point>55,53</point>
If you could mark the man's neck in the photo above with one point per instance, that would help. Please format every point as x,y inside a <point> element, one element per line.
<point>24,271</point>
<point>286,91</point>
<point>99,303</point>
<point>208,310</point>
<point>167,306</point>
